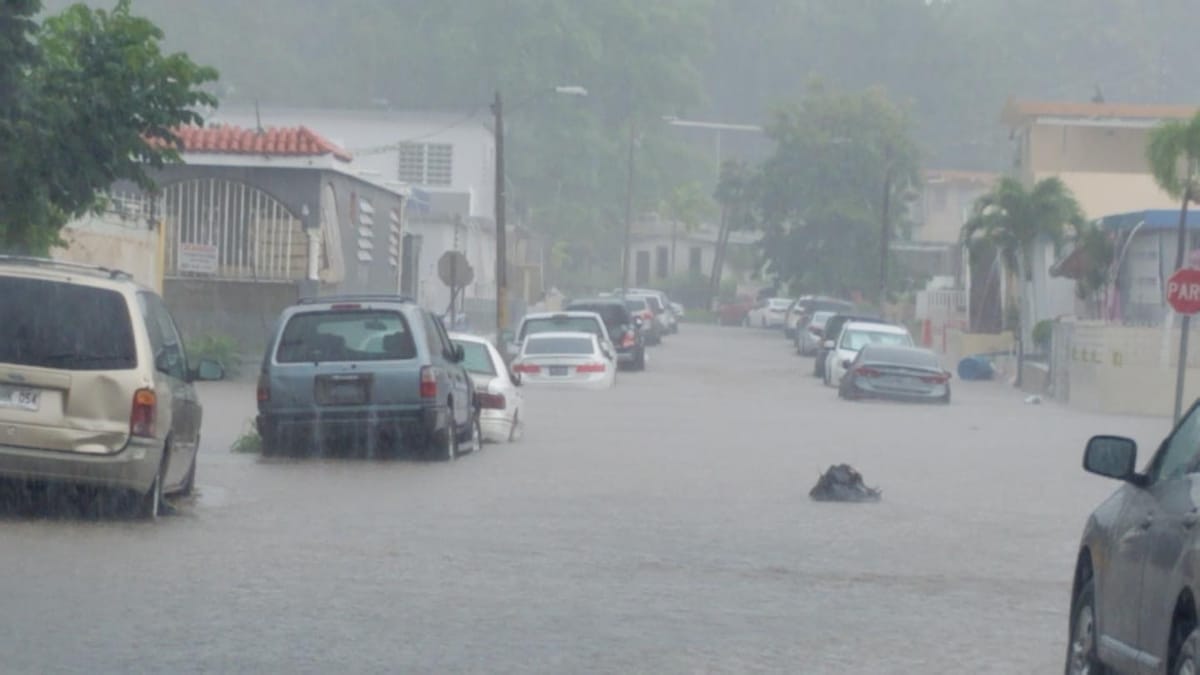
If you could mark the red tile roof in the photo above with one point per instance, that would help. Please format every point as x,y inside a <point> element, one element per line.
<point>1017,110</point>
<point>275,142</point>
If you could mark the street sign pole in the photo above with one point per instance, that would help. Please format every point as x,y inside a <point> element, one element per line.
<point>1182,369</point>
<point>1183,295</point>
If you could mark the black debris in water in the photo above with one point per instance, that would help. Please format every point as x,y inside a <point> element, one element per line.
<point>841,483</point>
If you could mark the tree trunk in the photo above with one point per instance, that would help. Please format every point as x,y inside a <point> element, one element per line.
<point>714,288</point>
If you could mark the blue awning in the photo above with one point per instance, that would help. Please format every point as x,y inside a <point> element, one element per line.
<point>1155,220</point>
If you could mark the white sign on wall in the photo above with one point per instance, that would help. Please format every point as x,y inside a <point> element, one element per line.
<point>198,258</point>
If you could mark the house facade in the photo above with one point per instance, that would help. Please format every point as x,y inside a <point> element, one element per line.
<point>662,250</point>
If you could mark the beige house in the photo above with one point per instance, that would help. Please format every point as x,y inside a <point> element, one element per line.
<point>1097,149</point>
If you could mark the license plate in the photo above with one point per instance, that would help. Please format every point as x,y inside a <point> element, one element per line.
<point>19,398</point>
<point>899,382</point>
<point>559,371</point>
<point>343,390</point>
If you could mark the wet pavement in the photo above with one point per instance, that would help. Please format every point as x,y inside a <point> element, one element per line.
<point>660,527</point>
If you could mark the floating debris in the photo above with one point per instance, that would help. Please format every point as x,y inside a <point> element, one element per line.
<point>841,483</point>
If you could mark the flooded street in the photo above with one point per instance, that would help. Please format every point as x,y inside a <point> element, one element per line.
<point>663,526</point>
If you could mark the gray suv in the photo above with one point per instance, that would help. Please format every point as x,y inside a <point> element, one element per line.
<point>368,372</point>
<point>1137,574</point>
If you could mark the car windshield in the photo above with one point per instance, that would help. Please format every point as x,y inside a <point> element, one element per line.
<point>779,303</point>
<point>476,358</point>
<point>856,339</point>
<point>560,324</point>
<point>68,326</point>
<point>636,304</point>
<point>913,358</point>
<point>655,304</point>
<point>820,318</point>
<point>346,335</point>
<point>558,345</point>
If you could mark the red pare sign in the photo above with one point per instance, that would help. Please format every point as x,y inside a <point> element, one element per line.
<point>1183,290</point>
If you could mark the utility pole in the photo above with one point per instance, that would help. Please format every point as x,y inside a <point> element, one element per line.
<point>628,209</point>
<point>501,226</point>
<point>885,233</point>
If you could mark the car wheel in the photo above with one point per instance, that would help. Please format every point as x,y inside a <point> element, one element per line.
<point>443,445</point>
<point>639,362</point>
<point>150,505</point>
<point>476,434</point>
<point>1187,660</point>
<point>1082,658</point>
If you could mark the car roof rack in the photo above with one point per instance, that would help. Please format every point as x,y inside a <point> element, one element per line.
<point>109,272</point>
<point>355,297</point>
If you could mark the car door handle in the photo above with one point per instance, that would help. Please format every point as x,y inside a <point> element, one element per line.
<point>1145,524</point>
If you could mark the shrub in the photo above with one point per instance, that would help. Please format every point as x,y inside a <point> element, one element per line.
<point>248,443</point>
<point>1043,333</point>
<point>220,348</point>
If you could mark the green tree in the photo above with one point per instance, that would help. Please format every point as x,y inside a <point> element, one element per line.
<point>839,179</point>
<point>1173,152</point>
<point>90,100</point>
<point>1011,221</point>
<point>686,205</point>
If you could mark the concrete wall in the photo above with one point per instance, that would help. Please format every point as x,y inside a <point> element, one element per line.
<point>112,242</point>
<point>1063,149</point>
<point>1101,193</point>
<point>246,311</point>
<point>1128,369</point>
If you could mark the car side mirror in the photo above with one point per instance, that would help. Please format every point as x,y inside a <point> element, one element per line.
<point>828,344</point>
<point>457,354</point>
<point>515,377</point>
<point>208,371</point>
<point>1111,456</point>
<point>846,364</point>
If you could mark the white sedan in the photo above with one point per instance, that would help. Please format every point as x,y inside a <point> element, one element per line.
<point>501,405</point>
<point>856,335</point>
<point>577,360</point>
<point>769,313</point>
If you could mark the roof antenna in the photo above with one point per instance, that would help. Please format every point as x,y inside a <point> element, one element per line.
<point>258,119</point>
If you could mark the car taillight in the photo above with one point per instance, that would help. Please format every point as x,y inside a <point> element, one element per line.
<point>629,340</point>
<point>527,368</point>
<point>866,372</point>
<point>491,401</point>
<point>936,379</point>
<point>264,389</point>
<point>429,388</point>
<point>144,414</point>
<point>590,368</point>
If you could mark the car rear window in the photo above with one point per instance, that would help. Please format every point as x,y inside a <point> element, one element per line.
<point>655,303</point>
<point>561,324</point>
<point>612,314</point>
<point>558,345</point>
<point>54,324</point>
<point>636,304</point>
<point>346,335</point>
<point>916,358</point>
<point>476,358</point>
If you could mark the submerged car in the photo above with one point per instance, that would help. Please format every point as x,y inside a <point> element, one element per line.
<point>896,373</point>
<point>97,387</point>
<point>566,359</point>
<point>800,312</point>
<point>625,330</point>
<point>809,340</point>
<point>768,313</point>
<point>639,306</point>
<point>501,405</point>
<point>832,331</point>
<point>558,322</point>
<point>1137,577</point>
<point>853,337</point>
<point>362,373</point>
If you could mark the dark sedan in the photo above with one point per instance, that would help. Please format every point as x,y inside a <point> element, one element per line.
<point>896,373</point>
<point>1137,576</point>
<point>622,327</point>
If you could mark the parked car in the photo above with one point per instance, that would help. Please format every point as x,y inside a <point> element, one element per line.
<point>566,359</point>
<point>1137,577</point>
<point>664,308</point>
<point>357,372</point>
<point>810,339</point>
<point>768,313</point>
<point>639,306</point>
<point>734,313</point>
<point>97,389</point>
<point>624,329</point>
<point>497,392</point>
<point>661,311</point>
<point>833,329</point>
<point>896,373</point>
<point>558,322</point>
<point>855,336</point>
<point>800,312</point>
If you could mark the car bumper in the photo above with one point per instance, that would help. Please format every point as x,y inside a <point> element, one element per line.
<point>495,425</point>
<point>865,389</point>
<point>409,423</point>
<point>133,468</point>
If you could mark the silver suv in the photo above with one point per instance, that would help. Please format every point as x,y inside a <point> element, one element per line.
<point>365,373</point>
<point>95,386</point>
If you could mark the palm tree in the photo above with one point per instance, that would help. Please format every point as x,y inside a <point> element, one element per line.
<point>1012,221</point>
<point>1171,144</point>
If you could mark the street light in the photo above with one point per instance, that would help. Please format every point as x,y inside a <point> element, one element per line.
<point>501,225</point>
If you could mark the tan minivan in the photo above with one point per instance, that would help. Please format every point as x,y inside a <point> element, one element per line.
<point>95,387</point>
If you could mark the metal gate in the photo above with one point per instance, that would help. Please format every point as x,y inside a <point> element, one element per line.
<point>225,229</point>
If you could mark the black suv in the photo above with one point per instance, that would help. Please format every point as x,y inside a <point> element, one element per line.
<point>622,328</point>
